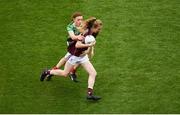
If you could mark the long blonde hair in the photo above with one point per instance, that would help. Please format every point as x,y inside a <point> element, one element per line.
<point>91,23</point>
<point>87,24</point>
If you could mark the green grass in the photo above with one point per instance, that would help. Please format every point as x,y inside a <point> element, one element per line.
<point>137,56</point>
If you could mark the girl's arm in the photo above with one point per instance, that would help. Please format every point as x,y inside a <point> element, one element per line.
<point>75,37</point>
<point>79,44</point>
<point>89,52</point>
<point>86,51</point>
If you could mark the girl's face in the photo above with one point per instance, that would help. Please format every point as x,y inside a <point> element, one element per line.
<point>78,20</point>
<point>97,29</point>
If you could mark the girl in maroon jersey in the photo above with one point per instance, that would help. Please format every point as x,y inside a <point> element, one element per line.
<point>77,49</point>
<point>93,31</point>
<point>97,25</point>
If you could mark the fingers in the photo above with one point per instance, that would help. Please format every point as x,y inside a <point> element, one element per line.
<point>93,43</point>
<point>80,37</point>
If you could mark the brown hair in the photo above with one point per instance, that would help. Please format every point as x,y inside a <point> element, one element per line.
<point>91,22</point>
<point>87,24</point>
<point>97,23</point>
<point>76,14</point>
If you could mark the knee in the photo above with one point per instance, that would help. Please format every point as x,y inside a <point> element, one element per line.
<point>65,74</point>
<point>94,74</point>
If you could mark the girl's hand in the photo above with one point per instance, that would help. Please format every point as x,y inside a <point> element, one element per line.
<point>92,44</point>
<point>80,37</point>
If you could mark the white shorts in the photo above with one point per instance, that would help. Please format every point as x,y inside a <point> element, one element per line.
<point>77,60</point>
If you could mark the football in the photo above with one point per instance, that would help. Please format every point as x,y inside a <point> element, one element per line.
<point>89,39</point>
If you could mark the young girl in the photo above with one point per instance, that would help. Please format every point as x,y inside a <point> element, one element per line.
<point>94,30</point>
<point>73,35</point>
<point>76,50</point>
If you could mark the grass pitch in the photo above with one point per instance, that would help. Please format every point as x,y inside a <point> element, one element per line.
<point>136,58</point>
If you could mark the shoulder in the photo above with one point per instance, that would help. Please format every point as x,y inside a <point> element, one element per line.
<point>70,26</point>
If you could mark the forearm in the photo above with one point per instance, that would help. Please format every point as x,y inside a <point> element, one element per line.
<point>81,45</point>
<point>91,52</point>
<point>74,37</point>
<point>86,51</point>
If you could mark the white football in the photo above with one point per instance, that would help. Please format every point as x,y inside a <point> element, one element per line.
<point>89,39</point>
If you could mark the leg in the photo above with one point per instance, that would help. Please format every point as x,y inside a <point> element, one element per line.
<point>92,73</point>
<point>72,73</point>
<point>73,70</point>
<point>61,62</point>
<point>59,72</point>
<point>59,65</point>
<point>76,67</point>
